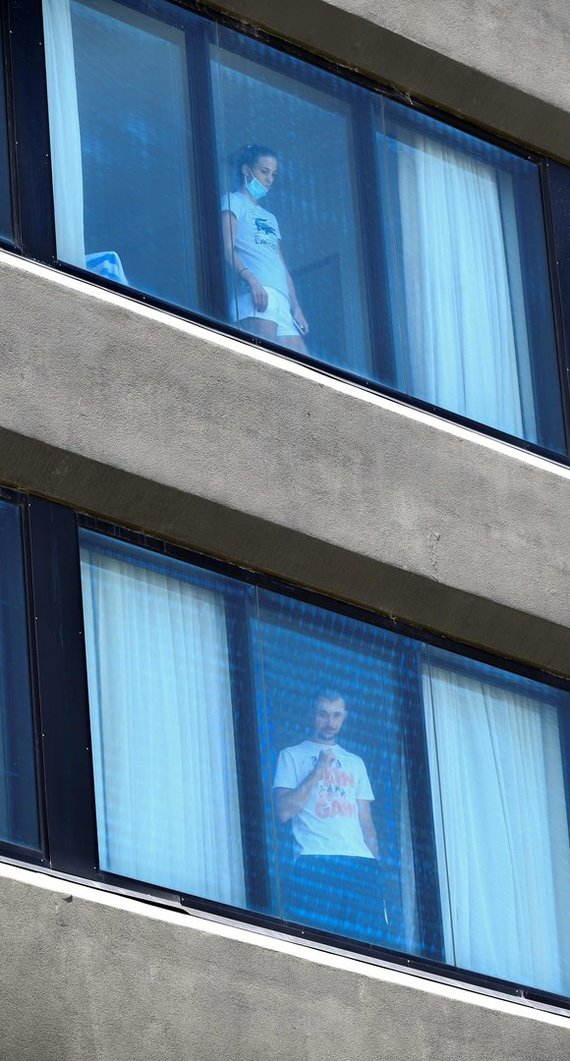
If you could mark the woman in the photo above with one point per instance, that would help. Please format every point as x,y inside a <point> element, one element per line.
<point>265,302</point>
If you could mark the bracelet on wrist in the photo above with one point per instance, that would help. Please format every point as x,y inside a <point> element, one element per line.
<point>244,270</point>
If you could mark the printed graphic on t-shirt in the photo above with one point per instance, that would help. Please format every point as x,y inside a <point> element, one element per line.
<point>265,233</point>
<point>333,800</point>
<point>257,239</point>
<point>262,224</point>
<point>328,823</point>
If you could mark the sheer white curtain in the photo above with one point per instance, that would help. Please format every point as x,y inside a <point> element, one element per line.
<point>65,134</point>
<point>162,729</point>
<point>501,829</point>
<point>463,314</point>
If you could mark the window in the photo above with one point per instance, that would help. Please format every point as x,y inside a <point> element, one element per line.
<point>6,229</point>
<point>205,168</point>
<point>19,826</point>
<point>266,752</point>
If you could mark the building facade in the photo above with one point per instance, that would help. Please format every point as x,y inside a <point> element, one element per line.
<point>207,526</point>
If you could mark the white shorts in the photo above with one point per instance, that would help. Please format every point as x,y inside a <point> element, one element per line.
<point>278,310</point>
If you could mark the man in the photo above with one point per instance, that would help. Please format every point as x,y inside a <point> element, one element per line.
<point>324,791</point>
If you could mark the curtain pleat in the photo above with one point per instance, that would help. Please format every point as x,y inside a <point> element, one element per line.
<point>458,307</point>
<point>501,829</point>
<point>163,741</point>
<point>65,133</point>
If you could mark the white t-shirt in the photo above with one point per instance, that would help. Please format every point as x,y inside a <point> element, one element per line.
<point>328,823</point>
<point>257,241</point>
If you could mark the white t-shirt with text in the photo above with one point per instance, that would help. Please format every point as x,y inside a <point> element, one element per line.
<point>328,824</point>
<point>257,240</point>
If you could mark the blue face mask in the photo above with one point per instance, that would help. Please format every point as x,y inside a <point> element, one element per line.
<point>256,188</point>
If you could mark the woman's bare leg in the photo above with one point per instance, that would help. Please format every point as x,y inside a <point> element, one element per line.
<point>293,342</point>
<point>260,327</point>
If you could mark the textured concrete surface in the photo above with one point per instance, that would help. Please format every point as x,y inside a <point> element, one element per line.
<point>521,42</point>
<point>347,494</point>
<point>504,64</point>
<point>80,981</point>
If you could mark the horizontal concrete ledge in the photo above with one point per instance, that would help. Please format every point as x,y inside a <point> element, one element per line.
<point>151,421</point>
<point>87,974</point>
<point>215,530</point>
<point>362,44</point>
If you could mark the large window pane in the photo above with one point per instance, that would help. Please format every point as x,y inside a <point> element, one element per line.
<point>471,303</point>
<point>121,137</point>
<point>304,120</point>
<point>257,750</point>
<point>348,839</point>
<point>161,716</point>
<point>499,799</point>
<point>202,166</point>
<point>18,792</point>
<point>6,230</point>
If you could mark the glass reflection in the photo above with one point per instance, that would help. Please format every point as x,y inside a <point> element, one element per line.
<point>262,752</point>
<point>6,229</point>
<point>335,693</point>
<point>18,793</point>
<point>160,694</point>
<point>121,138</point>
<point>498,751</point>
<point>216,172</point>
<point>471,307</point>
<point>304,120</point>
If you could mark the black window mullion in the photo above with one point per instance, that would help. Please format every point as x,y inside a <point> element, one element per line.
<point>6,94</point>
<point>373,239</point>
<point>210,244</point>
<point>29,816</point>
<point>28,107</point>
<point>556,196</point>
<point>248,753</point>
<point>62,687</point>
<point>420,804</point>
<point>40,807</point>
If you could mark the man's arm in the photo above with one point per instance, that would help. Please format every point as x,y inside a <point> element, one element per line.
<point>367,825</point>
<point>290,801</point>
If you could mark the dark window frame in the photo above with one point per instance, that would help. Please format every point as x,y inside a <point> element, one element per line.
<point>65,770</point>
<point>34,223</point>
<point>27,853</point>
<point>259,579</point>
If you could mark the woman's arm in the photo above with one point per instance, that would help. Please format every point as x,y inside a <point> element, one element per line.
<point>296,310</point>
<point>236,262</point>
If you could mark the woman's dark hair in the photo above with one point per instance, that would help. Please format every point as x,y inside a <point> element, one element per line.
<point>247,155</point>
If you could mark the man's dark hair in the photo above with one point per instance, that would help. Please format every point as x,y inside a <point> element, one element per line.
<point>329,692</point>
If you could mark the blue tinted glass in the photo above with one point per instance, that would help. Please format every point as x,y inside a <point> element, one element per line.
<point>6,229</point>
<point>498,748</point>
<point>292,128</point>
<point>18,798</point>
<point>218,173</point>
<point>344,720</point>
<point>121,139</point>
<point>273,755</point>
<point>471,306</point>
<point>162,702</point>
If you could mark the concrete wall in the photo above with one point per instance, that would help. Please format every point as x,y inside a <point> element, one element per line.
<point>280,468</point>
<point>163,426</point>
<point>500,63</point>
<point>86,976</point>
